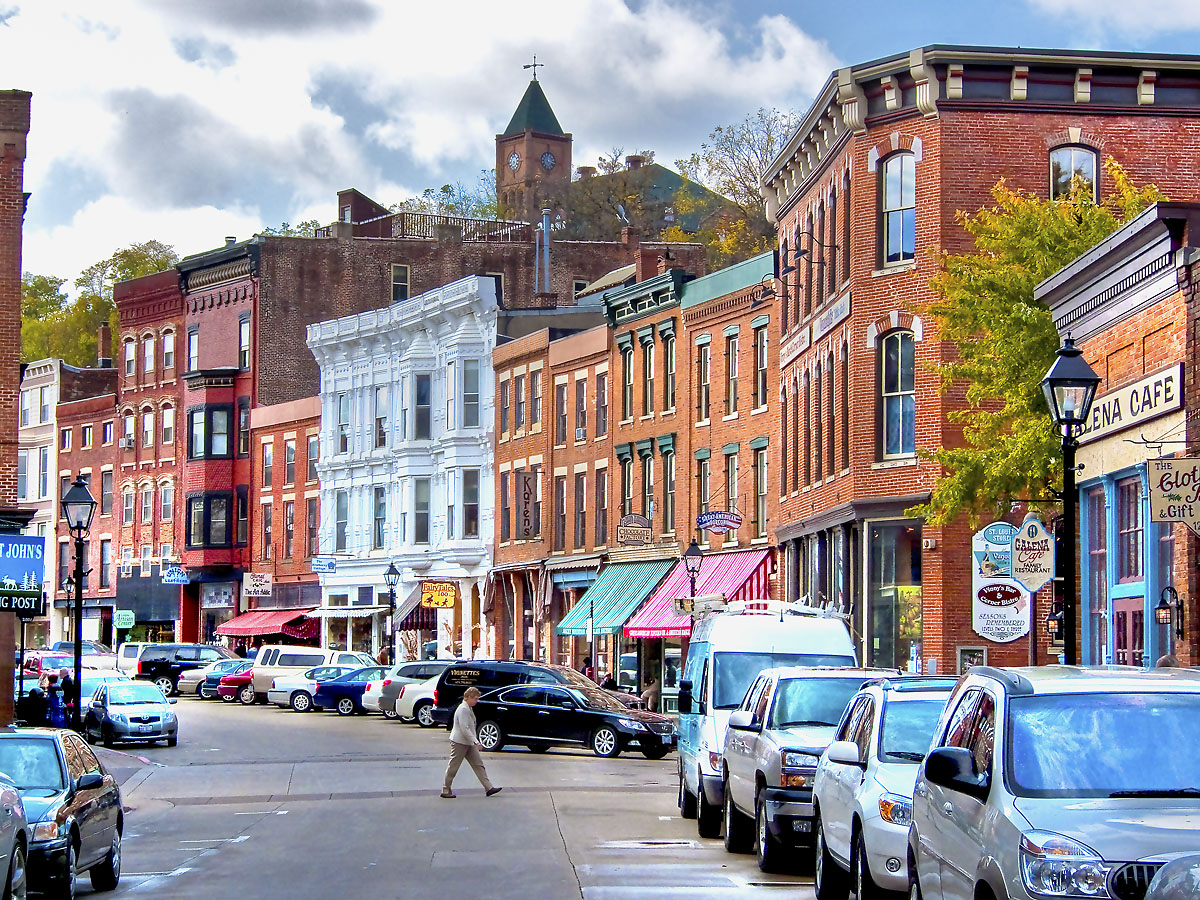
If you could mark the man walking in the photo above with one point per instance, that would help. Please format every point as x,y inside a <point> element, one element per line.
<point>464,744</point>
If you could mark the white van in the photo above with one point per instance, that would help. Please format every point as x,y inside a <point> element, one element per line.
<point>274,660</point>
<point>127,655</point>
<point>727,651</point>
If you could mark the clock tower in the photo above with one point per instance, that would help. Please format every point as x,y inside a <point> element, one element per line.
<point>533,157</point>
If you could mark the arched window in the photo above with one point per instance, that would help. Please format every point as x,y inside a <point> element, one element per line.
<point>819,422</point>
<point>1068,163</point>
<point>168,349</point>
<point>130,347</point>
<point>898,206</point>
<point>168,424</point>
<point>898,400</point>
<point>846,227</point>
<point>830,462</point>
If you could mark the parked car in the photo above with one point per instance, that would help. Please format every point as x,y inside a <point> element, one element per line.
<point>415,702</point>
<point>297,691</point>
<point>164,663</point>
<point>237,685</point>
<point>212,681</point>
<point>192,680</point>
<point>73,805</point>
<point>130,712</point>
<point>38,661</point>
<point>727,651</point>
<point>1177,880</point>
<point>774,740</point>
<point>540,716</point>
<point>490,675</point>
<point>863,788</point>
<point>128,653</point>
<point>384,696</point>
<point>90,648</point>
<point>344,693</point>
<point>14,840</point>
<point>275,660</point>
<point>1057,780</point>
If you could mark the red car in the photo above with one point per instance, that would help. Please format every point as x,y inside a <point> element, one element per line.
<point>236,684</point>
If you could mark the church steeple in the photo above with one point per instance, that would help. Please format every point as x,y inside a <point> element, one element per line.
<point>533,157</point>
<point>533,113</point>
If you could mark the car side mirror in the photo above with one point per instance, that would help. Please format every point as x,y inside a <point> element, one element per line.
<point>846,753</point>
<point>684,699</point>
<point>744,720</point>
<point>954,769</point>
<point>567,704</point>
<point>89,782</point>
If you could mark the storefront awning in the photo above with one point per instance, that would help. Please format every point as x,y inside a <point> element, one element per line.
<point>346,612</point>
<point>260,621</point>
<point>739,575</point>
<point>619,589</point>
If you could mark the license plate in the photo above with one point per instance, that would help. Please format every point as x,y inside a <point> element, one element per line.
<point>145,729</point>
<point>802,825</point>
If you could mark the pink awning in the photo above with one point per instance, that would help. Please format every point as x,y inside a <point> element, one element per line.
<point>261,621</point>
<point>739,575</point>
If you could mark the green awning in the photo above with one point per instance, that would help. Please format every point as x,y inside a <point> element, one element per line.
<point>617,592</point>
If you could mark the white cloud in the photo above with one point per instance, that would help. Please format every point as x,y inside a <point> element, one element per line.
<point>1098,19</point>
<point>185,121</point>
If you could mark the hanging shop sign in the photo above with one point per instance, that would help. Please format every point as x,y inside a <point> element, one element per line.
<point>439,594</point>
<point>257,584</point>
<point>22,568</point>
<point>634,530</point>
<point>175,575</point>
<point>525,491</point>
<point>719,521</point>
<point>323,566</point>
<point>123,619</point>
<point>1000,605</point>
<point>1135,404</point>
<point>1175,491</point>
<point>1032,555</point>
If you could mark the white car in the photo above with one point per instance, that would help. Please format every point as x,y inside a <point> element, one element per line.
<point>297,691</point>
<point>863,787</point>
<point>416,702</point>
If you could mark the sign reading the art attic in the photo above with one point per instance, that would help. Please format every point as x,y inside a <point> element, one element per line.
<point>999,603</point>
<point>1175,490</point>
<point>22,567</point>
<point>1135,404</point>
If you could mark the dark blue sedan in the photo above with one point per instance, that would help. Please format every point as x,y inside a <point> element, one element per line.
<point>207,688</point>
<point>344,693</point>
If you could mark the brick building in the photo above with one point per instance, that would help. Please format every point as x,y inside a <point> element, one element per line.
<point>866,190</point>
<point>1125,303</point>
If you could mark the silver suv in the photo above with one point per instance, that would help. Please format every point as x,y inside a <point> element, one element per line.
<point>772,746</point>
<point>1059,781</point>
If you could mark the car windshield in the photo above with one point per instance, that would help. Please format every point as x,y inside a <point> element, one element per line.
<point>54,663</point>
<point>135,692</point>
<point>91,685</point>
<point>594,698</point>
<point>733,673</point>
<point>1104,745</point>
<point>908,728</point>
<point>812,701</point>
<point>32,764</point>
<point>576,678</point>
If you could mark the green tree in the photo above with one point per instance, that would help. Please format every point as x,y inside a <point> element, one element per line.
<point>1004,341</point>
<point>478,201</point>
<point>307,228</point>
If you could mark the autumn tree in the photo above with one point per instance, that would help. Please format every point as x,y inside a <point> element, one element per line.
<point>1004,341</point>
<point>307,228</point>
<point>477,201</point>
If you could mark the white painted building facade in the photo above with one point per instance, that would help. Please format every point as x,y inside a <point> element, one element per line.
<point>406,468</point>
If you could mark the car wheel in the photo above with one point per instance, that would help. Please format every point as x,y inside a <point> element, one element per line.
<point>106,875</point>
<point>165,684</point>
<point>768,848</point>
<point>605,742</point>
<point>346,707</point>
<point>829,879</point>
<point>301,701</point>
<point>655,752</point>
<point>865,887</point>
<point>16,884</point>
<point>424,714</point>
<point>172,741</point>
<point>687,800</point>
<point>200,689</point>
<point>389,713</point>
<point>106,736</point>
<point>738,836</point>
<point>535,747</point>
<point>490,735</point>
<point>65,883</point>
<point>914,881</point>
<point>708,816</point>
<point>246,695</point>
<point>227,698</point>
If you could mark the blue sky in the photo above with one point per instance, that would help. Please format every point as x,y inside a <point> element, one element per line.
<point>189,120</point>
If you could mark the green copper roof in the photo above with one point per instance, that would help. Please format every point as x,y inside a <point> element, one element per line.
<point>533,114</point>
<point>728,280</point>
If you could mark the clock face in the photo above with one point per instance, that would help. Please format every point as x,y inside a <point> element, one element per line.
<point>514,160</point>
<point>548,160</point>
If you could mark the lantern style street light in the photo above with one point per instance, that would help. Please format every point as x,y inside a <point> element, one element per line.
<point>392,578</point>
<point>1168,605</point>
<point>692,557</point>
<point>1069,388</point>
<point>78,508</point>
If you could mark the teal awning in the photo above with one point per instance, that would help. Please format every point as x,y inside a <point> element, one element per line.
<point>618,591</point>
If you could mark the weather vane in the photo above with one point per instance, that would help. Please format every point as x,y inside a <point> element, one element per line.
<point>534,65</point>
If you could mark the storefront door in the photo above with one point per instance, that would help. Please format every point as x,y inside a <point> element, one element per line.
<point>1129,631</point>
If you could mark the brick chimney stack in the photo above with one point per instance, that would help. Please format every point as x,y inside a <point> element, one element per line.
<point>104,347</point>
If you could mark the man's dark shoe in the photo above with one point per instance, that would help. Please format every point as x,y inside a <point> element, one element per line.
<point>491,791</point>
<point>448,795</point>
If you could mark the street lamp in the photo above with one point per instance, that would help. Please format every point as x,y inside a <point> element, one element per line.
<point>692,557</point>
<point>1164,613</point>
<point>78,508</point>
<point>1069,388</point>
<point>392,578</point>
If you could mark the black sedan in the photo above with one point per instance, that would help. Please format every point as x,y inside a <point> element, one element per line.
<point>73,806</point>
<point>543,715</point>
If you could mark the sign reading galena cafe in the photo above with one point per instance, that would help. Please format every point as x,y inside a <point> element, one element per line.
<point>999,603</point>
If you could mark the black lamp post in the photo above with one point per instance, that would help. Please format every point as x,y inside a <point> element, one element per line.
<point>78,508</point>
<point>392,578</point>
<point>692,557</point>
<point>1069,388</point>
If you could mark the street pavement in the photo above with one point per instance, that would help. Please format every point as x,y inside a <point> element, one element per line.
<point>271,803</point>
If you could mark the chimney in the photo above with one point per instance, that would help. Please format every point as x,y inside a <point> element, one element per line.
<point>586,171</point>
<point>230,240</point>
<point>667,262</point>
<point>633,162</point>
<point>104,347</point>
<point>631,236</point>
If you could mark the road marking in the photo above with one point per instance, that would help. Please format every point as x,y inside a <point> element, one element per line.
<point>237,840</point>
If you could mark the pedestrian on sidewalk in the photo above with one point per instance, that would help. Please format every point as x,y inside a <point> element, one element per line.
<point>464,744</point>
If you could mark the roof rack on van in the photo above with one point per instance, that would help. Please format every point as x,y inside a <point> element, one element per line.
<point>1017,684</point>
<point>771,607</point>
<point>914,682</point>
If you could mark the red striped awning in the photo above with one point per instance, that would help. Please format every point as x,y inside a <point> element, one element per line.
<point>261,621</point>
<point>739,575</point>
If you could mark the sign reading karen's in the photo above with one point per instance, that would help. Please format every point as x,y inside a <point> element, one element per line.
<point>1135,404</point>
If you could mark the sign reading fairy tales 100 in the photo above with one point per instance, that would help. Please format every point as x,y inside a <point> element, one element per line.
<point>1000,605</point>
<point>22,569</point>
